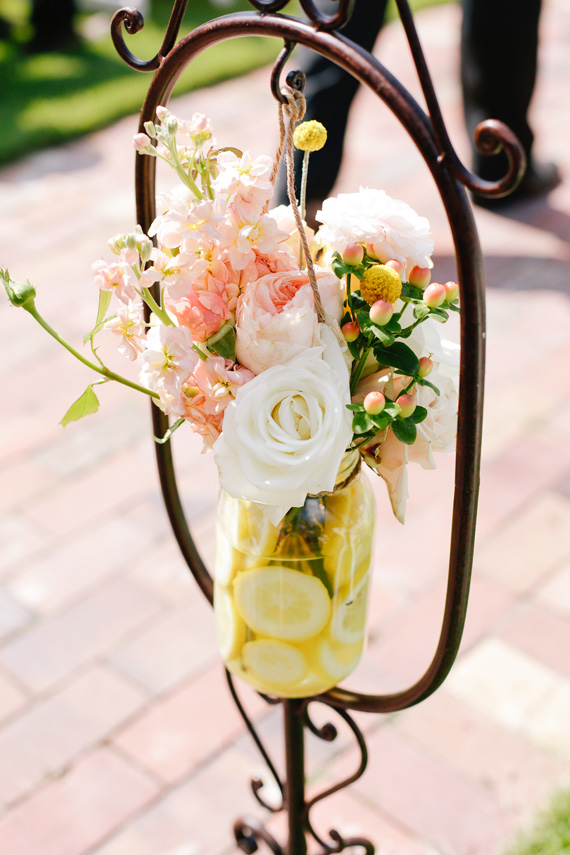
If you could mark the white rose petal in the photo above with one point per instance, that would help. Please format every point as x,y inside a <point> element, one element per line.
<point>286,431</point>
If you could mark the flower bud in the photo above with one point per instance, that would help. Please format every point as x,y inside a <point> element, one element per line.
<point>434,295</point>
<point>353,254</point>
<point>131,241</point>
<point>350,330</point>
<point>407,405</point>
<point>162,113</point>
<point>374,403</point>
<point>141,143</point>
<point>150,129</point>
<point>381,311</point>
<point>419,276</point>
<point>145,249</point>
<point>426,366</point>
<point>172,126</point>
<point>117,243</point>
<point>395,265</point>
<point>20,294</point>
<point>452,291</point>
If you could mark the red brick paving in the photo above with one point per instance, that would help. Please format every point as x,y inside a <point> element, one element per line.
<point>117,734</point>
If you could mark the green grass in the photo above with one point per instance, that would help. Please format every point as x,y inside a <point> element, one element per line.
<point>49,98</point>
<point>551,832</point>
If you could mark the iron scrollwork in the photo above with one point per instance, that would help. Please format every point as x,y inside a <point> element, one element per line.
<point>428,132</point>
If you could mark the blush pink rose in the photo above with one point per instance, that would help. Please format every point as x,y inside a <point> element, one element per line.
<point>276,318</point>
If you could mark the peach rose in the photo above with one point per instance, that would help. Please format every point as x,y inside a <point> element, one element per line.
<point>276,318</point>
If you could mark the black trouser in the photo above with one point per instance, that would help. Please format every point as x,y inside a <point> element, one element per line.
<point>499,41</point>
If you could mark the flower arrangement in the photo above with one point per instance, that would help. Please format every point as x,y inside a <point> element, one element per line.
<point>295,356</point>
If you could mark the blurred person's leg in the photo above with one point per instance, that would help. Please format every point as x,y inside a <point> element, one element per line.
<point>499,47</point>
<point>329,92</point>
<point>52,21</point>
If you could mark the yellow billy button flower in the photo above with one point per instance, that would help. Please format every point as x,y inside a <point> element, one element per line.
<point>380,283</point>
<point>310,136</point>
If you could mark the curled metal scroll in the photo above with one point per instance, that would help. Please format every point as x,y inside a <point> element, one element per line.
<point>257,783</point>
<point>420,128</point>
<point>133,22</point>
<point>248,831</point>
<point>328,732</point>
<point>491,136</point>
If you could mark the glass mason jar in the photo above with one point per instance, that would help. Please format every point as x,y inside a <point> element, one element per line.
<point>290,601</point>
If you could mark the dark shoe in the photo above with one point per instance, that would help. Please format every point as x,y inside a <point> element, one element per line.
<point>539,179</point>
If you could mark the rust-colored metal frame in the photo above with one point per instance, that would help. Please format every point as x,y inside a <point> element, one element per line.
<point>428,132</point>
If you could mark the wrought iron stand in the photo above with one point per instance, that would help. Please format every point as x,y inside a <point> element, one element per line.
<point>429,134</point>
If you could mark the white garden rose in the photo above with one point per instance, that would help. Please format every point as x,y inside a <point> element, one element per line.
<point>438,430</point>
<point>391,228</point>
<point>285,433</point>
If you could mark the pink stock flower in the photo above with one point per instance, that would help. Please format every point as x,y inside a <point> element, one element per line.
<point>182,218</point>
<point>202,312</point>
<point>168,361</point>
<point>117,277</point>
<point>276,318</point>
<point>128,324</point>
<point>208,392</point>
<point>247,180</point>
<point>242,238</point>
<point>283,216</point>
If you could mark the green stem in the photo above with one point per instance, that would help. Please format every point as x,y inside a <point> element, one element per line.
<point>359,370</point>
<point>185,176</point>
<point>154,307</point>
<point>303,194</point>
<point>105,372</point>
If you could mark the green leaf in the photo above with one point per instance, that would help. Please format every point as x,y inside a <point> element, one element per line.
<point>382,335</point>
<point>104,300</point>
<point>420,311</point>
<point>358,304</point>
<point>393,326</point>
<point>361,422</point>
<point>224,345</point>
<point>382,420</point>
<point>405,431</point>
<point>439,315</point>
<point>354,348</point>
<point>411,292</point>
<point>355,407</point>
<point>85,405</point>
<point>419,414</point>
<point>452,306</point>
<point>423,382</point>
<point>398,355</point>
<point>162,439</point>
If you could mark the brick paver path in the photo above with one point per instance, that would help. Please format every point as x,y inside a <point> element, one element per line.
<point>117,735</point>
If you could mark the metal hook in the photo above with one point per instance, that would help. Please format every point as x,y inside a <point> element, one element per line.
<point>295,79</point>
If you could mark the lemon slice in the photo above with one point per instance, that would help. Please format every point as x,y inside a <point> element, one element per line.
<point>227,559</point>
<point>332,662</point>
<point>282,603</point>
<point>348,622</point>
<point>230,628</point>
<point>273,664</point>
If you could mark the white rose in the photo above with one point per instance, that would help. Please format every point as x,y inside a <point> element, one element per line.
<point>438,430</point>
<point>391,227</point>
<point>285,433</point>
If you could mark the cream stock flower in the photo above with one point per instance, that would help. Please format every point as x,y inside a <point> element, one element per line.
<point>390,227</point>
<point>286,432</point>
<point>276,318</point>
